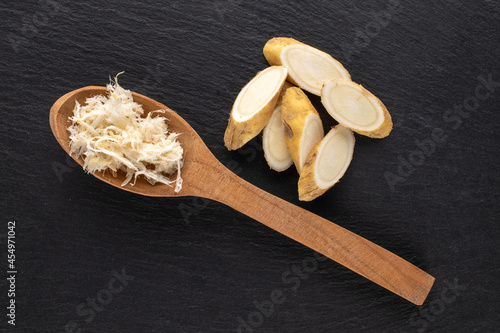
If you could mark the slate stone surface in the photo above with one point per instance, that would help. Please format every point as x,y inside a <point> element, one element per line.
<point>91,258</point>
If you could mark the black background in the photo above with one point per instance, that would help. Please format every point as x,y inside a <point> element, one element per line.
<point>200,266</point>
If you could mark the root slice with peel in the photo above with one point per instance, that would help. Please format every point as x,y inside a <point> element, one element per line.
<point>302,125</point>
<point>356,108</point>
<point>274,47</point>
<point>254,105</point>
<point>273,139</point>
<point>327,163</point>
<point>308,67</point>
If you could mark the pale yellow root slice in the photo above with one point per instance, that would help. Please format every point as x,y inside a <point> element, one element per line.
<point>356,108</point>
<point>302,125</point>
<point>254,106</point>
<point>273,139</point>
<point>326,163</point>
<point>274,46</point>
<point>308,67</point>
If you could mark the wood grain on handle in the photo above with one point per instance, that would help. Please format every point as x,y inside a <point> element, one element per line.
<point>354,252</point>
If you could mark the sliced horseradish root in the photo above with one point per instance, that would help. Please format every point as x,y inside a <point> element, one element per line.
<point>356,108</point>
<point>254,106</point>
<point>302,125</point>
<point>327,163</point>
<point>308,67</point>
<point>110,133</point>
<point>273,141</point>
<point>273,138</point>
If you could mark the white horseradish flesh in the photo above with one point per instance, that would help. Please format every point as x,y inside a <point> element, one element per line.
<point>110,134</point>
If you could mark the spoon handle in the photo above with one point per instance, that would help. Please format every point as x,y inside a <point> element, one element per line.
<point>348,249</point>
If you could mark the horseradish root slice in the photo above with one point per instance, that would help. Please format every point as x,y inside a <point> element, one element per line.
<point>356,108</point>
<point>273,139</point>
<point>254,106</point>
<point>308,67</point>
<point>274,46</point>
<point>327,163</point>
<point>302,125</point>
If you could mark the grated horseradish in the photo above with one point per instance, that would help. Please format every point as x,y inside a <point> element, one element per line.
<point>111,134</point>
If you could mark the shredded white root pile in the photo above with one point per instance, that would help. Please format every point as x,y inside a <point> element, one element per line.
<point>111,134</point>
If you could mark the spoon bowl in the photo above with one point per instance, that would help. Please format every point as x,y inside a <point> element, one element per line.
<point>192,144</point>
<point>204,176</point>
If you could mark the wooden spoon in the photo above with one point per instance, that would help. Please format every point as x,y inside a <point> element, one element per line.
<point>204,176</point>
